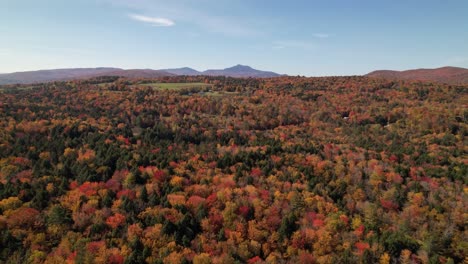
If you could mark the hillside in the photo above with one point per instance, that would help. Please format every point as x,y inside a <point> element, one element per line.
<point>74,74</point>
<point>137,73</point>
<point>241,71</point>
<point>235,170</point>
<point>52,75</point>
<point>449,75</point>
<point>84,73</point>
<point>183,71</point>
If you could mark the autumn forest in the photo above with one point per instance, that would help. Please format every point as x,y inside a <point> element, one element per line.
<point>234,170</point>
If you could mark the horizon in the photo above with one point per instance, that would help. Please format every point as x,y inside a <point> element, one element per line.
<point>203,70</point>
<point>301,38</point>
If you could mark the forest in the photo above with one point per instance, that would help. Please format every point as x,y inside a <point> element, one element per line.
<point>239,170</point>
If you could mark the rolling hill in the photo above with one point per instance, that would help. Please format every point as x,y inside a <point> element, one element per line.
<point>75,73</point>
<point>83,73</point>
<point>183,71</point>
<point>241,71</point>
<point>449,75</point>
<point>140,73</point>
<point>52,75</point>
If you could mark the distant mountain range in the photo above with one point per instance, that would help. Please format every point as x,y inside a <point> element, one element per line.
<point>51,75</point>
<point>449,75</point>
<point>183,71</point>
<point>71,74</point>
<point>83,73</point>
<point>235,71</point>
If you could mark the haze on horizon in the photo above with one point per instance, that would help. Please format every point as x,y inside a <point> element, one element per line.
<point>312,38</point>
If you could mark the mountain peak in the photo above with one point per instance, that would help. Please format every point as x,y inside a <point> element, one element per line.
<point>183,71</point>
<point>240,66</point>
<point>240,70</point>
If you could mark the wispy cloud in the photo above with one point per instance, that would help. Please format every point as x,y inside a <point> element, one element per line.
<point>457,61</point>
<point>154,21</point>
<point>277,47</point>
<point>189,13</point>
<point>321,35</point>
<point>294,44</point>
<point>43,49</point>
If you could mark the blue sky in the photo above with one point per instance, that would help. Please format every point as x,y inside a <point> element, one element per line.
<point>297,37</point>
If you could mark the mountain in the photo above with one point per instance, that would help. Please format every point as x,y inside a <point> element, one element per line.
<point>183,71</point>
<point>51,75</point>
<point>450,75</point>
<point>241,71</point>
<point>83,73</point>
<point>76,73</point>
<point>235,71</point>
<point>137,73</point>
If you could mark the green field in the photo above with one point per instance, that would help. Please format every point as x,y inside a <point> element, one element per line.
<point>175,86</point>
<point>3,89</point>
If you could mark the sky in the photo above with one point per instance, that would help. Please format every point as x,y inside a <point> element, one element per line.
<point>295,37</point>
